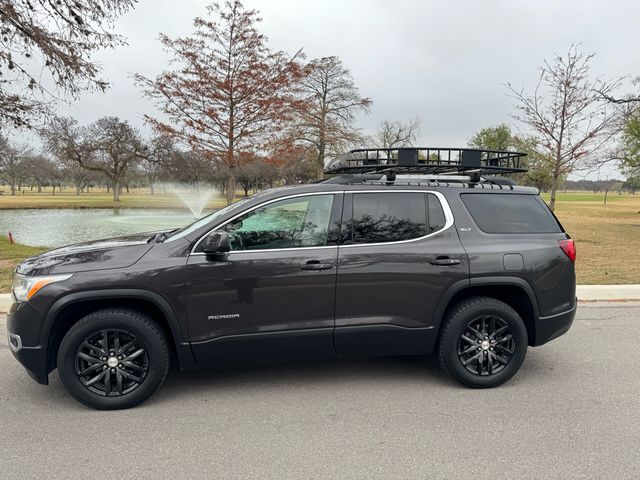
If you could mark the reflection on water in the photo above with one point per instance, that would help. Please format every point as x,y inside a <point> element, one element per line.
<point>63,226</point>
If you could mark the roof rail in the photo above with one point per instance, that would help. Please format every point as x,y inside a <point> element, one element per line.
<point>427,160</point>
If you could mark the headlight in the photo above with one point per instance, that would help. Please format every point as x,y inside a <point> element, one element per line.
<point>25,287</point>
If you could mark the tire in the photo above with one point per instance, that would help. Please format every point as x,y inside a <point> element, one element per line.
<point>471,354</point>
<point>132,369</point>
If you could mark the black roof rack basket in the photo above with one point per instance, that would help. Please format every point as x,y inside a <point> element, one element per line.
<point>427,160</point>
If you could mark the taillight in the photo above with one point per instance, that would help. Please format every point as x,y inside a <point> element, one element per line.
<point>569,248</point>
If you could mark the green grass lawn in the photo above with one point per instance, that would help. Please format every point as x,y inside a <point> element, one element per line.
<point>607,236</point>
<point>138,198</point>
<point>10,256</point>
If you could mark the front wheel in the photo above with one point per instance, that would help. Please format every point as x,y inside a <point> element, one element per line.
<point>113,359</point>
<point>483,342</point>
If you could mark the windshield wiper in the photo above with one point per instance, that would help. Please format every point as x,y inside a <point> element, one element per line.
<point>161,237</point>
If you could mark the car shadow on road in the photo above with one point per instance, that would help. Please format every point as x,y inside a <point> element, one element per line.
<point>303,374</point>
<point>290,376</point>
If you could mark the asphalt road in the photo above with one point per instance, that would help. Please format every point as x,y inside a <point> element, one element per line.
<point>573,411</point>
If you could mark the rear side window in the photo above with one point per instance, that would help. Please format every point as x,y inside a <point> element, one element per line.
<point>509,213</point>
<point>393,217</point>
<point>388,217</point>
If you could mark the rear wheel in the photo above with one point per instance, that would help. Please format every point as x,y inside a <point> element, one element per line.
<point>113,359</point>
<point>483,342</point>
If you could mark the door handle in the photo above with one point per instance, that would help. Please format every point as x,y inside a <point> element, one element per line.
<point>445,261</point>
<point>315,265</point>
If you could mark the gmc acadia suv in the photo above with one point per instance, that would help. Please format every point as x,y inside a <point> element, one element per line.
<point>405,253</point>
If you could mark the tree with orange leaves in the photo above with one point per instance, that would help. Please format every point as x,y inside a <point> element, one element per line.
<point>227,92</point>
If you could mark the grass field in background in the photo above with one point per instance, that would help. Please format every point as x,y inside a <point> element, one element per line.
<point>607,236</point>
<point>10,256</point>
<point>98,198</point>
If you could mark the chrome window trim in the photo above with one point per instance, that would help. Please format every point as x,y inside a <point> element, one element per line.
<point>448,216</point>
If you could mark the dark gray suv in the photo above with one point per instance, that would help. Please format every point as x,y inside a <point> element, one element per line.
<point>404,252</point>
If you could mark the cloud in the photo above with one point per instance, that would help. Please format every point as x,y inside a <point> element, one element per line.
<point>444,61</point>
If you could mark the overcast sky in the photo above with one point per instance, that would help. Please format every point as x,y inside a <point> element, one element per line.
<point>444,61</point>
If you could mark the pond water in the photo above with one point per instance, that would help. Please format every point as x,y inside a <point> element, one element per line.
<point>63,226</point>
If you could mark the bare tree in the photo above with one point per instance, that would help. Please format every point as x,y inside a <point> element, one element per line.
<point>397,134</point>
<point>229,92</point>
<point>109,146</point>
<point>633,100</point>
<point>71,145</point>
<point>331,102</point>
<point>45,48</point>
<point>151,171</point>
<point>160,155</point>
<point>79,176</point>
<point>54,173</point>
<point>37,167</point>
<point>116,148</point>
<point>565,114</point>
<point>12,160</point>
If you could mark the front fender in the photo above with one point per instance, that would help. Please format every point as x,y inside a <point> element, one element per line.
<point>179,337</point>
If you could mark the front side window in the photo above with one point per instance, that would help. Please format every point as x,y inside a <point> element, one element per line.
<point>290,223</point>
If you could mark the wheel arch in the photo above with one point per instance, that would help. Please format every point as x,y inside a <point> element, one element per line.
<point>515,292</point>
<point>68,310</point>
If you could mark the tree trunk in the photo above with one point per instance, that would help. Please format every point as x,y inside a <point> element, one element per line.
<point>151,188</point>
<point>554,188</point>
<point>231,186</point>
<point>320,164</point>
<point>39,187</point>
<point>13,187</point>
<point>54,189</point>
<point>116,190</point>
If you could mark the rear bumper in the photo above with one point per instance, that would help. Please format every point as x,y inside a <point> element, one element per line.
<point>548,328</point>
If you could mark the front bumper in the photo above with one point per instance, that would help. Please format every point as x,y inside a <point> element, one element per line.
<point>22,343</point>
<point>548,328</point>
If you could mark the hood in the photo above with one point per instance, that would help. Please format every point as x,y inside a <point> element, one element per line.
<point>119,252</point>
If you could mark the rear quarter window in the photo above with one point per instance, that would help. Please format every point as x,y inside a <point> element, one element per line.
<point>509,213</point>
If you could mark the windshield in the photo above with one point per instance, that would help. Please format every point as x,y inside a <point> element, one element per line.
<point>204,221</point>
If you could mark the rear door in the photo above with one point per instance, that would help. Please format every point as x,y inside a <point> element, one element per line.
<point>399,253</point>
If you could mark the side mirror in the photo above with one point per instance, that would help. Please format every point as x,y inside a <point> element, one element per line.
<point>216,242</point>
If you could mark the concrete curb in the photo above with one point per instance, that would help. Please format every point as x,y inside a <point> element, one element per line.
<point>588,293</point>
<point>608,292</point>
<point>5,302</point>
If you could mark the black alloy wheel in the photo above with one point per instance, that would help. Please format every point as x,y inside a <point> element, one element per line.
<point>112,362</point>
<point>486,346</point>
<point>114,358</point>
<point>483,342</point>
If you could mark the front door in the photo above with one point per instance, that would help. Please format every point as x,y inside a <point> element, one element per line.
<point>273,294</point>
